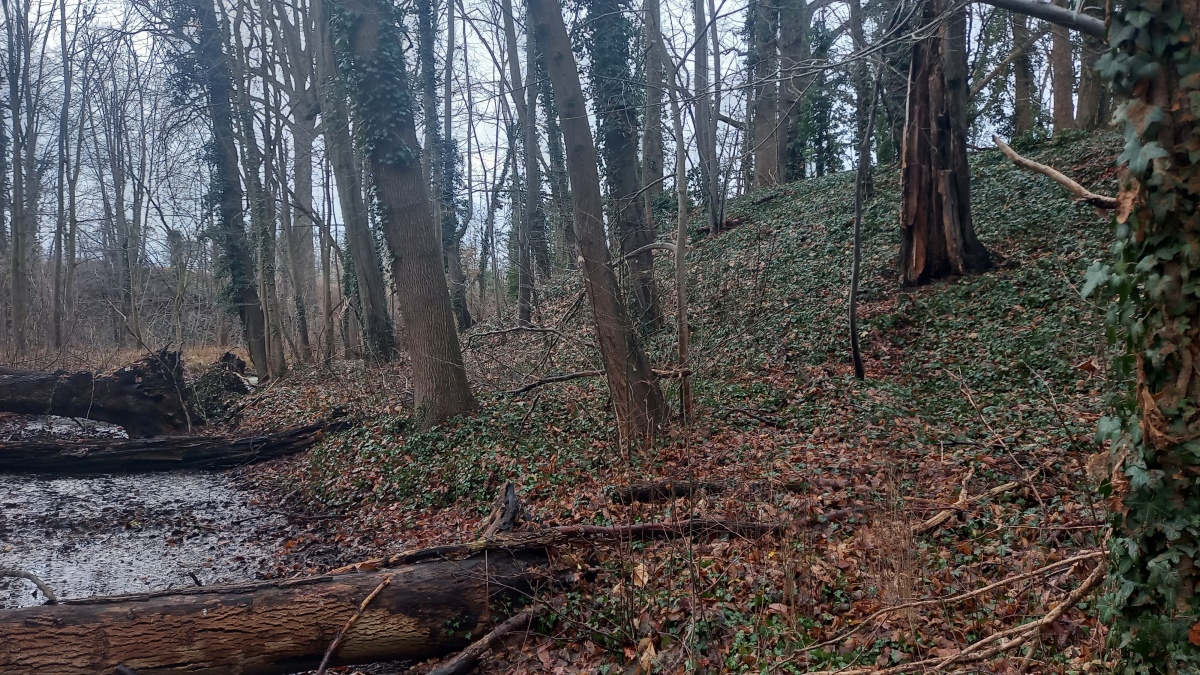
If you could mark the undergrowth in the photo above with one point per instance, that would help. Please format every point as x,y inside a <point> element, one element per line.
<point>971,383</point>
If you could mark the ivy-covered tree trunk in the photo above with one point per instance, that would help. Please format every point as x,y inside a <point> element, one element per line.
<point>1153,607</point>
<point>369,39</point>
<point>764,20</point>
<point>610,37</point>
<point>1024,105</point>
<point>238,264</point>
<point>339,148</point>
<point>937,238</point>
<point>638,401</point>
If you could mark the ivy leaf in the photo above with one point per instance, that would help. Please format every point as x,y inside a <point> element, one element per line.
<point>1097,275</point>
<point>1139,156</point>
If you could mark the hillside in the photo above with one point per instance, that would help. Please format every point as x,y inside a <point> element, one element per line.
<point>971,385</point>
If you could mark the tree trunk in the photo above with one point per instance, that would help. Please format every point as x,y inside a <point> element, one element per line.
<point>560,191</point>
<point>639,403</point>
<point>339,146</point>
<point>1024,102</point>
<point>372,37</point>
<point>146,398</point>
<point>864,103</point>
<point>616,118</point>
<point>706,124</point>
<point>1062,78</point>
<point>937,238</point>
<point>1156,312</point>
<point>765,17</point>
<point>652,131</point>
<point>421,611</point>
<point>231,229</point>
<point>1093,92</point>
<point>794,47</point>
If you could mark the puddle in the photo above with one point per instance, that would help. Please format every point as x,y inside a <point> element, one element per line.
<point>108,535</point>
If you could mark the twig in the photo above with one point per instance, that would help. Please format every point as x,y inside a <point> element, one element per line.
<point>770,421</point>
<point>1083,194</point>
<point>957,598</point>
<point>468,658</point>
<point>975,652</point>
<point>566,377</point>
<point>942,517</point>
<point>41,585</point>
<point>337,641</point>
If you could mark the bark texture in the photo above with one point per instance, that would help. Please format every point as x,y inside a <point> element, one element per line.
<point>1062,76</point>
<point>384,116</point>
<point>1024,107</point>
<point>638,401</point>
<point>937,236</point>
<point>155,454</point>
<point>425,610</point>
<point>146,398</point>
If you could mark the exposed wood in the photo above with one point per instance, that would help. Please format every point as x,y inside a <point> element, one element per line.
<point>146,398</point>
<point>940,518</point>
<point>466,661</point>
<point>337,640</point>
<point>156,454</point>
<point>505,514</point>
<point>1083,194</point>
<point>425,611</point>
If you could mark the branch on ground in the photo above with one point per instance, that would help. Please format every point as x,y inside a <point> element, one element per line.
<point>1081,193</point>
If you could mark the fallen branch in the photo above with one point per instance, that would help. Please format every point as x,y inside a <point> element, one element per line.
<point>559,536</point>
<point>939,519</point>
<point>1080,192</point>
<point>41,585</point>
<point>566,377</point>
<point>667,490</point>
<point>468,658</point>
<point>957,598</point>
<point>337,640</point>
<point>753,414</point>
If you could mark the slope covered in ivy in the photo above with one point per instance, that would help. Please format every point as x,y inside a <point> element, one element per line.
<point>989,382</point>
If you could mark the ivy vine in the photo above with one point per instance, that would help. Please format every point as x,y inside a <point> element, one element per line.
<point>1152,281</point>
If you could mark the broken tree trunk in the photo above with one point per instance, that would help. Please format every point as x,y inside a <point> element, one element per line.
<point>146,398</point>
<point>423,611</point>
<point>156,454</point>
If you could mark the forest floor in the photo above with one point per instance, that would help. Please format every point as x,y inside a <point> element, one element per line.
<point>971,384</point>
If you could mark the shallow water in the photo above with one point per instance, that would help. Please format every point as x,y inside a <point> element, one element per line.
<point>108,535</point>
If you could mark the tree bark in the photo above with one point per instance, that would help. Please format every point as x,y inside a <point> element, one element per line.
<point>379,86</point>
<point>1062,78</point>
<point>639,403</point>
<point>174,453</point>
<point>339,146</point>
<point>706,124</point>
<point>937,236</point>
<point>794,20</point>
<point>231,229</point>
<point>765,17</point>
<point>617,122</point>
<point>1024,102</point>
<point>423,611</point>
<point>1094,97</point>
<point>146,398</point>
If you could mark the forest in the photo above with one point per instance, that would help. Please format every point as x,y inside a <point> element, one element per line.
<point>437,337</point>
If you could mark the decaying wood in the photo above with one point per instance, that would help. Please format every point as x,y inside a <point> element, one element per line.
<point>337,640</point>
<point>425,611</point>
<point>1081,193</point>
<point>468,658</point>
<point>156,454</point>
<point>146,398</point>
<point>505,513</point>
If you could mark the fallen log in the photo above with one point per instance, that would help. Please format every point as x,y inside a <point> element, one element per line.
<point>146,398</point>
<point>423,611</point>
<point>166,453</point>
